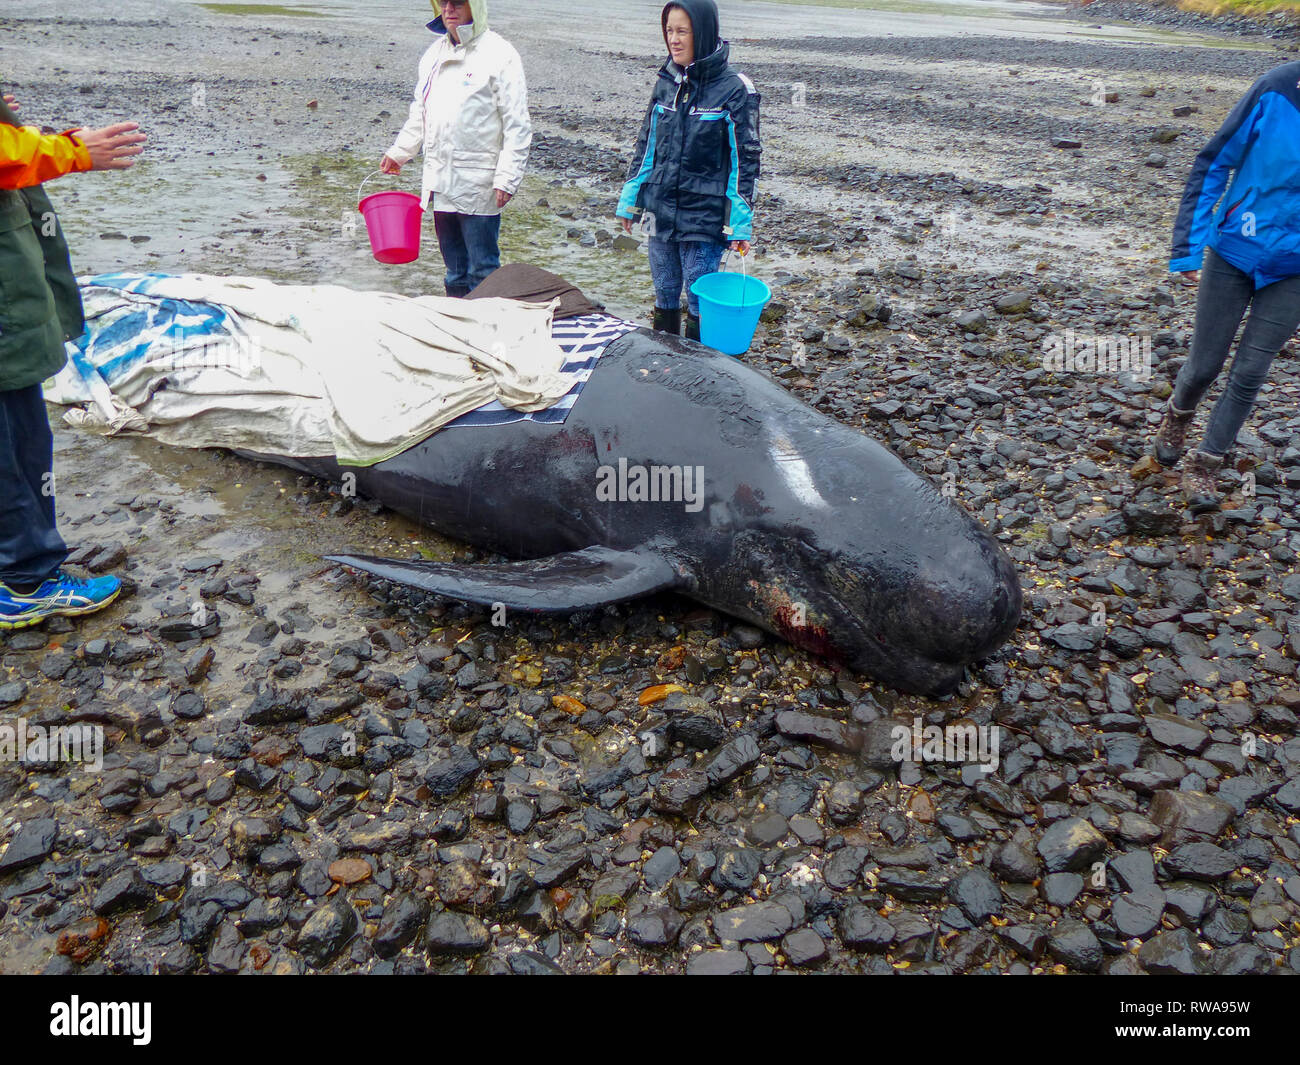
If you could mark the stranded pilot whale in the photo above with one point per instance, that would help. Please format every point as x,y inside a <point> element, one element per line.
<point>784,517</point>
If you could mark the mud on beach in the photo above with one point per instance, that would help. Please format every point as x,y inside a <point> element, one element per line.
<point>656,787</point>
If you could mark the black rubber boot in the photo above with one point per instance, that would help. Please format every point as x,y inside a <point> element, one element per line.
<point>692,326</point>
<point>1200,482</point>
<point>668,321</point>
<point>1171,437</point>
<point>456,291</point>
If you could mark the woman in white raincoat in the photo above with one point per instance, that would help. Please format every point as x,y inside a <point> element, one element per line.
<point>470,115</point>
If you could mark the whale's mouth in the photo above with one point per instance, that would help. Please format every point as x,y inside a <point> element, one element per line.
<point>921,633</point>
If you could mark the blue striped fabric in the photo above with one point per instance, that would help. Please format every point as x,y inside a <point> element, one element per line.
<point>584,340</point>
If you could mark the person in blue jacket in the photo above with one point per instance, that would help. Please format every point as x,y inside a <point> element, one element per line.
<point>1245,246</point>
<point>695,164</point>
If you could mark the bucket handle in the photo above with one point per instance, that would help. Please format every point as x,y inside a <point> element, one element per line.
<point>369,177</point>
<point>744,273</point>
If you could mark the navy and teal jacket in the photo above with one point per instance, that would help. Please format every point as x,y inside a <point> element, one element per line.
<point>1257,226</point>
<point>695,165</point>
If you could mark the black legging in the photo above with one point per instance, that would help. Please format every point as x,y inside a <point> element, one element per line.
<point>1225,293</point>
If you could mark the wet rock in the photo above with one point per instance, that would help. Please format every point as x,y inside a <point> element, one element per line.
<point>32,845</point>
<point>1075,636</point>
<point>1169,730</point>
<point>718,963</point>
<point>1013,862</point>
<point>380,836</point>
<point>198,918</point>
<point>912,885</point>
<point>1199,861</point>
<point>1138,913</point>
<point>1070,845</point>
<point>247,836</point>
<point>1073,944</point>
<point>520,815</point>
<point>736,868</point>
<point>401,922</point>
<point>1175,953</point>
<point>326,932</point>
<point>1190,901</point>
<point>729,760</point>
<point>862,928</point>
<point>679,792</point>
<point>1185,815</point>
<point>119,791</point>
<point>1151,519</point>
<point>125,891</point>
<point>561,867</point>
<point>273,707</point>
<point>977,894</point>
<point>448,776</point>
<point>459,934</point>
<point>760,921</point>
<point>844,801</point>
<point>1018,302</point>
<point>1029,941</point>
<point>655,927</point>
<point>699,731</point>
<point>804,948</point>
<point>226,953</point>
<point>1242,959</point>
<point>767,829</point>
<point>660,868</point>
<point>1061,889</point>
<point>809,728</point>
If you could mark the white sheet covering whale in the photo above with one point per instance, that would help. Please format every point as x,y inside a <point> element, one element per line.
<point>306,370</point>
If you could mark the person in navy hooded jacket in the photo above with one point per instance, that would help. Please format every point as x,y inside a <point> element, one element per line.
<point>1250,247</point>
<point>695,164</point>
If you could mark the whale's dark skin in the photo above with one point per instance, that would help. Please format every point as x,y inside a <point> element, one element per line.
<point>809,529</point>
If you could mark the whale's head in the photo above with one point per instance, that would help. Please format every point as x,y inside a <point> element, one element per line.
<point>890,578</point>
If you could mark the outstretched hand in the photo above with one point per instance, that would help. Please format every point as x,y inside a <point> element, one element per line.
<point>12,101</point>
<point>113,147</point>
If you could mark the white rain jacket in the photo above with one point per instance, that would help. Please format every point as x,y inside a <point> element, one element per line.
<point>470,115</point>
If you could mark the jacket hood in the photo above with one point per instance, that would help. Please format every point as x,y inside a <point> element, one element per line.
<point>478,10</point>
<point>704,23</point>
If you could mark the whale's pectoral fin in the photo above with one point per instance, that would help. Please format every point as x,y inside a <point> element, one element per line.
<point>576,580</point>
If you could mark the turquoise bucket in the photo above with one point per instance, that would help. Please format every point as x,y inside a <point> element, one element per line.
<point>730,305</point>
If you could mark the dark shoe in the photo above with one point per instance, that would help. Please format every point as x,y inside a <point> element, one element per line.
<point>692,326</point>
<point>457,292</point>
<point>668,321</point>
<point>1171,437</point>
<point>1200,482</point>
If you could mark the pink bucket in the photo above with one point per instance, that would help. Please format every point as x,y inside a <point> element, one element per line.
<point>393,225</point>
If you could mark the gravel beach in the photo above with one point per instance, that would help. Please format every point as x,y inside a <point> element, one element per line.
<point>315,772</point>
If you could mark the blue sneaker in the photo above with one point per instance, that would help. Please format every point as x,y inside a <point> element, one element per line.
<point>61,594</point>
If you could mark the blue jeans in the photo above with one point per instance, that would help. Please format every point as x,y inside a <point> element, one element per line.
<point>674,263</point>
<point>468,243</point>
<point>1225,294</point>
<point>31,549</point>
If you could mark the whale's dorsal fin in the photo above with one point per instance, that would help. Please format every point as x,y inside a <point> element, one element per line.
<point>575,580</point>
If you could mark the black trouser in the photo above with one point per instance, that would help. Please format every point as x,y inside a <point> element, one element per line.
<point>1225,295</point>
<point>31,549</point>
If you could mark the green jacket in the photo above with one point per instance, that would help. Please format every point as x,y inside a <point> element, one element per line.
<point>40,304</point>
